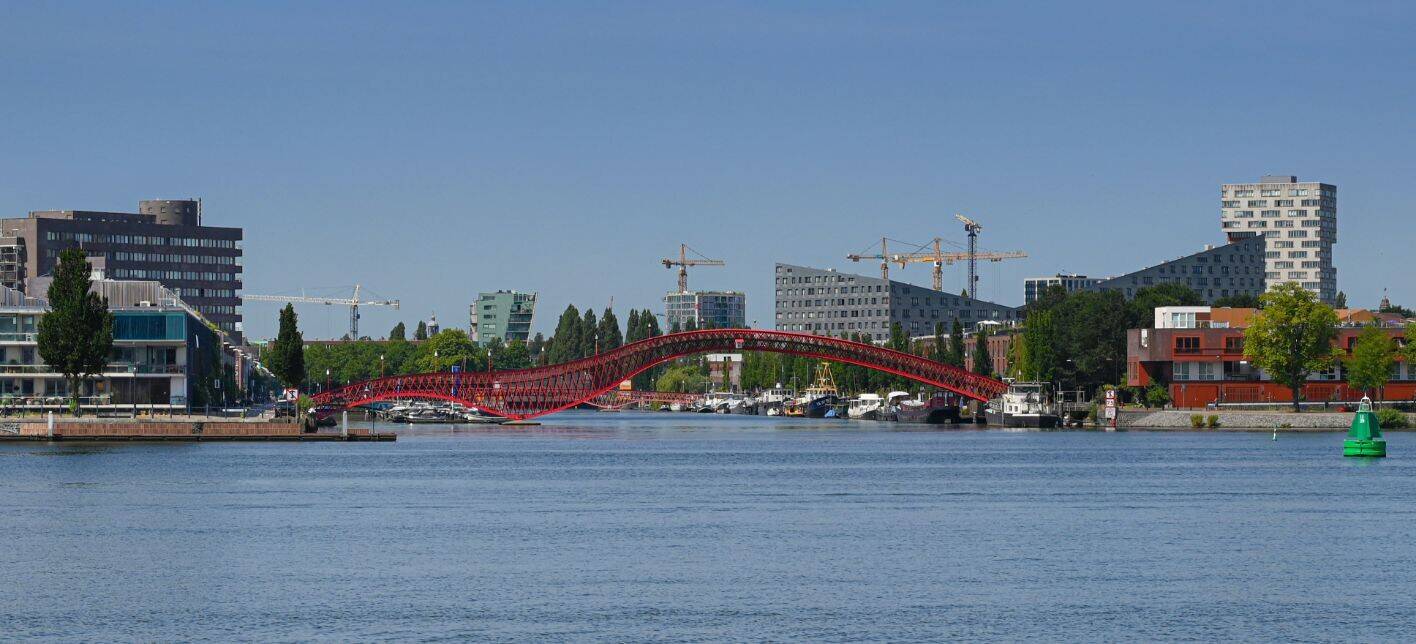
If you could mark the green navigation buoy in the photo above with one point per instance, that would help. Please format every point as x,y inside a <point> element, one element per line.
<point>1365,437</point>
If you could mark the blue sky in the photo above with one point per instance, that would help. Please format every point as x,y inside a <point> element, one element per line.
<point>433,150</point>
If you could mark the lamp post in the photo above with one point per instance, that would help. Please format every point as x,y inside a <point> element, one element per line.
<point>326,379</point>
<point>381,365</point>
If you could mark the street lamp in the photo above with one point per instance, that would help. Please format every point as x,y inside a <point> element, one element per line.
<point>381,365</point>
<point>326,379</point>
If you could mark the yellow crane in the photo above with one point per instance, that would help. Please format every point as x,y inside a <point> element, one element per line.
<point>683,262</point>
<point>939,259</point>
<point>883,256</point>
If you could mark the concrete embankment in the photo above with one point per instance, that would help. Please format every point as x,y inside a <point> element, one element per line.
<point>1237,420</point>
<point>183,430</point>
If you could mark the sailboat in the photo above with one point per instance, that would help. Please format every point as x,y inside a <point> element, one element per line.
<point>821,397</point>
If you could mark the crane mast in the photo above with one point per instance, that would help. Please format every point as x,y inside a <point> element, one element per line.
<point>883,256</point>
<point>683,262</point>
<point>973,229</point>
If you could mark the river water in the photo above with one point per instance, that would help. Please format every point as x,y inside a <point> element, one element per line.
<point>672,527</point>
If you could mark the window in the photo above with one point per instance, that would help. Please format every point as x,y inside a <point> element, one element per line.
<point>1187,344</point>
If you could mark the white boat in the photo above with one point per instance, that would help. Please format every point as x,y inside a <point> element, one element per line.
<point>865,407</point>
<point>1025,404</point>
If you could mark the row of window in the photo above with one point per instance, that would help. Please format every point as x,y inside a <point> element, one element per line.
<point>1277,192</point>
<point>220,260</point>
<point>188,291</point>
<point>143,273</point>
<point>1249,214</point>
<point>141,240</point>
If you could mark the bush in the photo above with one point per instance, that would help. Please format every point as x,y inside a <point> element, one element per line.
<point>1392,419</point>
<point>1197,421</point>
<point>1157,396</point>
<point>1212,421</point>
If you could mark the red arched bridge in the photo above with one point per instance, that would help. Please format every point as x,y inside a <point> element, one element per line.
<point>527,393</point>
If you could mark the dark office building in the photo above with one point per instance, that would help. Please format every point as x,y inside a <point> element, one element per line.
<point>1236,268</point>
<point>824,302</point>
<point>164,241</point>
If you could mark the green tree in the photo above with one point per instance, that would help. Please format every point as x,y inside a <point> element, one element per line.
<point>564,344</point>
<point>956,345</point>
<point>421,333</point>
<point>513,355</point>
<point>450,347</point>
<point>898,340</point>
<point>399,332</point>
<point>1291,337</point>
<point>940,353</point>
<point>682,378</point>
<point>982,362</point>
<point>1369,366</point>
<point>1038,357</point>
<point>1238,301</point>
<point>589,335</point>
<point>609,331</point>
<point>76,334</point>
<point>1341,300</point>
<point>287,351</point>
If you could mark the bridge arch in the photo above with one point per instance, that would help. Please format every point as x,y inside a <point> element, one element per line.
<point>528,393</point>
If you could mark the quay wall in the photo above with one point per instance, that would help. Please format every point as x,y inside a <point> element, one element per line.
<point>1236,420</point>
<point>185,430</point>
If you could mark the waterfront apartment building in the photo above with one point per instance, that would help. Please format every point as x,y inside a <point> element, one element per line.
<point>1236,268</point>
<point>1298,222</point>
<point>701,309</point>
<point>1197,353</point>
<point>164,241</point>
<point>825,302</point>
<point>1034,287</point>
<point>159,351</point>
<point>503,314</point>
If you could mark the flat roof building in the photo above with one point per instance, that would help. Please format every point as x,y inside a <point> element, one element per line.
<point>503,314</point>
<point>1298,222</point>
<point>1034,287</point>
<point>1232,269</point>
<point>825,302</point>
<point>162,355</point>
<point>164,241</point>
<point>703,309</point>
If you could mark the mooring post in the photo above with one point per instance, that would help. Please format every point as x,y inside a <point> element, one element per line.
<point>51,425</point>
<point>344,426</point>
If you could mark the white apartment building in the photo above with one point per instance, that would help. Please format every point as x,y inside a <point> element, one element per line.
<point>1298,222</point>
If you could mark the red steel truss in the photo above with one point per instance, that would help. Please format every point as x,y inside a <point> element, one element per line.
<point>527,393</point>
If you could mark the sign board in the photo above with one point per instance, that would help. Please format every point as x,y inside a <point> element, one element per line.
<point>1111,397</point>
<point>290,395</point>
<point>738,343</point>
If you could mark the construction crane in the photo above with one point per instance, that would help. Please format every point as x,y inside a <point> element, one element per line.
<point>973,229</point>
<point>353,303</point>
<point>883,256</point>
<point>683,262</point>
<point>939,259</point>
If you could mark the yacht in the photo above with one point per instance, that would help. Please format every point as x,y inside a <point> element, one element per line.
<point>938,410</point>
<point>1025,404</point>
<point>866,407</point>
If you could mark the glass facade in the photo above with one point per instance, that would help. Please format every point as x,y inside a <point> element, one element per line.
<point>134,325</point>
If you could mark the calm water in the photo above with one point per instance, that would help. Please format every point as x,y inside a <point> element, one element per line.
<point>685,527</point>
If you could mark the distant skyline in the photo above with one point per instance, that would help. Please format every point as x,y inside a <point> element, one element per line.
<point>430,151</point>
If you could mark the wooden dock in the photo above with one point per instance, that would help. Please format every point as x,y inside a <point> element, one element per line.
<point>184,430</point>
